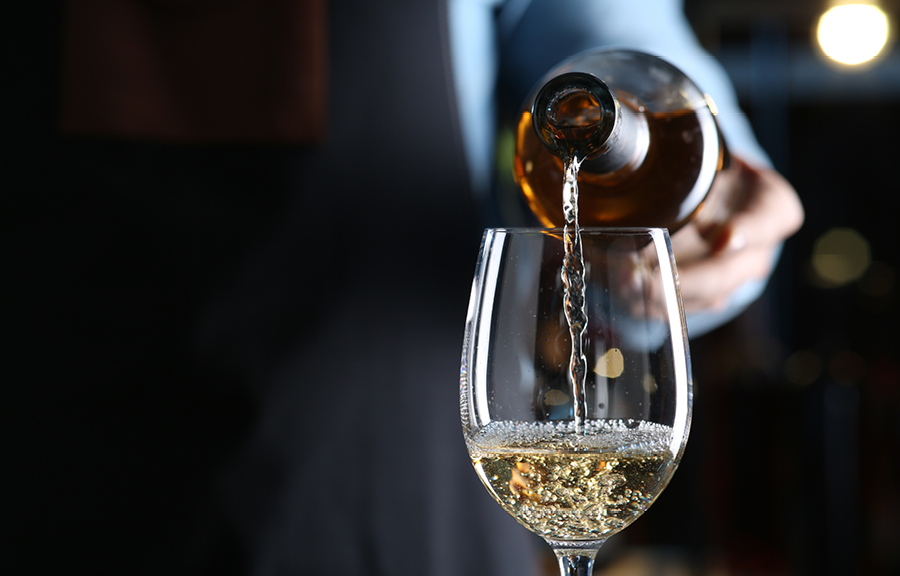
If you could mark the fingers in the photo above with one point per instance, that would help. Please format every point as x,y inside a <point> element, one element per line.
<point>708,283</point>
<point>736,235</point>
<point>772,211</point>
<point>749,208</point>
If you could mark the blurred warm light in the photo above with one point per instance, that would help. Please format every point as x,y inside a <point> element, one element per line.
<point>853,33</point>
<point>803,367</point>
<point>840,256</point>
<point>611,364</point>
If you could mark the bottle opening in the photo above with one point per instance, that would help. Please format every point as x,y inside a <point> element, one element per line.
<point>574,114</point>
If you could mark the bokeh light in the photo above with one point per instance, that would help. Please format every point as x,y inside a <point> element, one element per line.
<point>840,256</point>
<point>803,367</point>
<point>853,33</point>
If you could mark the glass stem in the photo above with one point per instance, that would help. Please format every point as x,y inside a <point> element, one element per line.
<point>575,559</point>
<point>576,564</point>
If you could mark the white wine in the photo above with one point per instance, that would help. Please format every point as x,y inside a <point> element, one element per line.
<point>567,485</point>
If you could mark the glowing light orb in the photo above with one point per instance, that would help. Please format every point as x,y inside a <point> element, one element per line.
<point>853,33</point>
<point>840,256</point>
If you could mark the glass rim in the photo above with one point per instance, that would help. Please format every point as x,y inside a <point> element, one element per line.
<point>612,230</point>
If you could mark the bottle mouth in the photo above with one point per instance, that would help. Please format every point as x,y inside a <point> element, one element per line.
<point>574,114</point>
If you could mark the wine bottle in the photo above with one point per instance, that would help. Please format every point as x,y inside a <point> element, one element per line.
<point>645,134</point>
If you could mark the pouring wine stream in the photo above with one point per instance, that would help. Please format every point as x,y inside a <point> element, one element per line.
<point>574,294</point>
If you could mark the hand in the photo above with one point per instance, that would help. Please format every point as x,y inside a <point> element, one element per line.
<point>734,238</point>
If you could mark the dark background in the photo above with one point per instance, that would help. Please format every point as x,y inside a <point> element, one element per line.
<point>794,461</point>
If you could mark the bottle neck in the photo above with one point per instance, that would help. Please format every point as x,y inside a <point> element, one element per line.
<point>626,147</point>
<point>576,115</point>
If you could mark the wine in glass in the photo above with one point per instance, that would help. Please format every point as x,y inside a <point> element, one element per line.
<point>575,442</point>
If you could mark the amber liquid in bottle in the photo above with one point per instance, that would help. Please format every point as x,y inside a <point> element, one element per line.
<point>662,190</point>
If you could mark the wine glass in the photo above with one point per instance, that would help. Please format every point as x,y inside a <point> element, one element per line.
<point>575,455</point>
